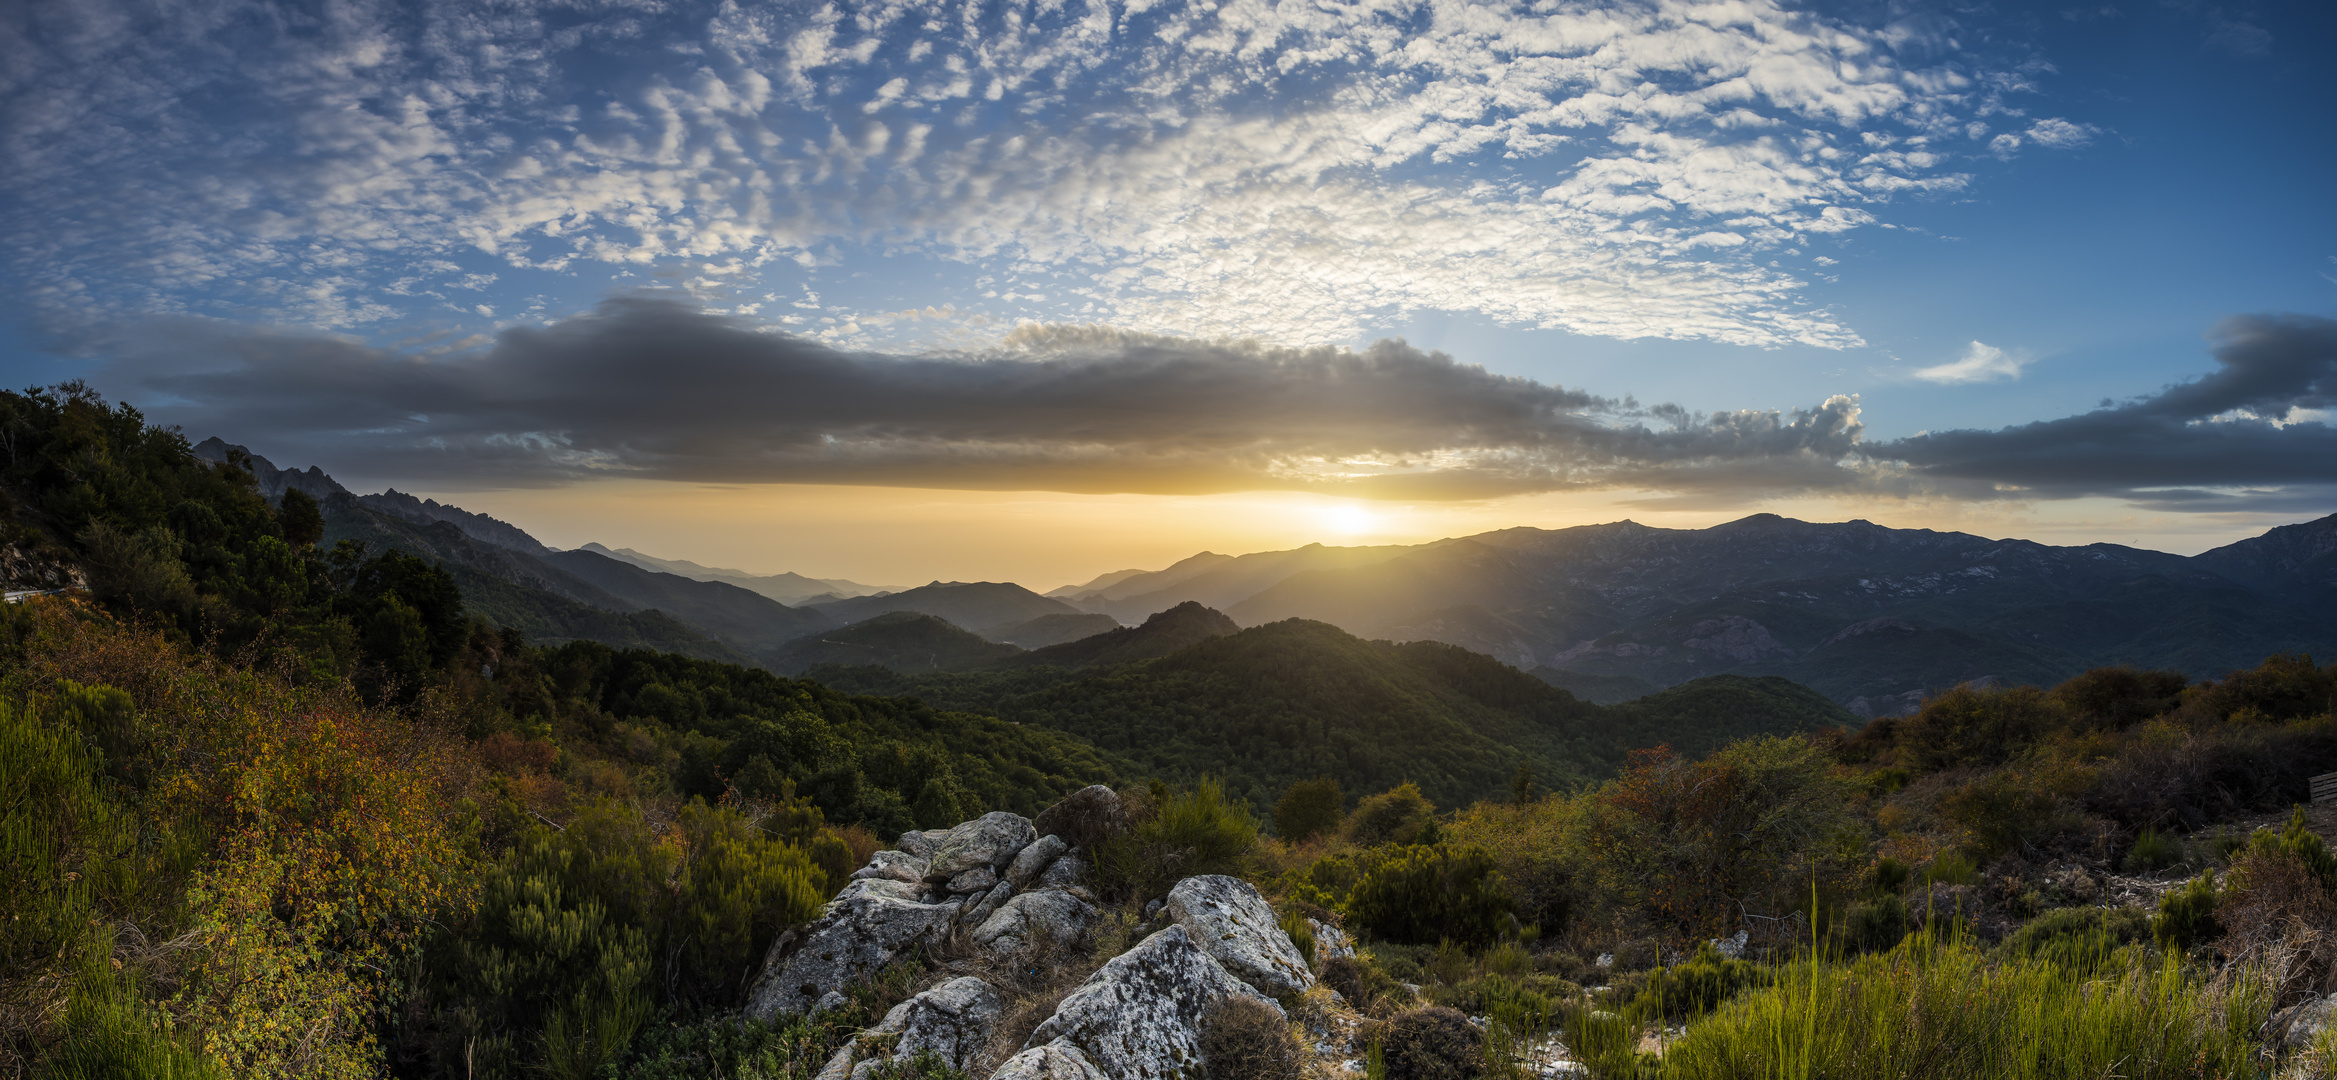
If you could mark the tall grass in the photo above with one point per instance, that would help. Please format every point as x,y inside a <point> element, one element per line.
<point>1949,1010</point>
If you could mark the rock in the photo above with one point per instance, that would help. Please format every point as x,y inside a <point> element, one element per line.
<point>1731,948</point>
<point>953,1020</point>
<point>991,840</point>
<point>1331,943</point>
<point>922,844</point>
<point>1228,918</point>
<point>1139,1016</point>
<point>2295,1028</point>
<point>990,902</point>
<point>1085,817</point>
<point>893,866</point>
<point>1028,919</point>
<point>851,940</point>
<point>884,887</point>
<point>1063,873</point>
<point>1034,859</point>
<point>976,880</point>
<point>1151,908</point>
<point>1058,1060</point>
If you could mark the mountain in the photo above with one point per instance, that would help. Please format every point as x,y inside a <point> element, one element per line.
<point>1855,609</point>
<point>1166,632</point>
<point>790,588</point>
<point>754,623</point>
<point>902,641</point>
<point>1596,689</point>
<point>1052,629</point>
<point>1122,584</point>
<point>1097,585</point>
<point>968,604</point>
<point>1292,700</point>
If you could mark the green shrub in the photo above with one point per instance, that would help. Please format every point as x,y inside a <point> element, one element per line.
<point>2298,841</point>
<point>2153,851</point>
<point>547,974</point>
<point>1198,832</point>
<point>2186,916</point>
<point>1423,894</point>
<point>1890,876</point>
<point>1697,987</point>
<point>1365,985</point>
<point>1301,934</point>
<point>738,889</point>
<point>1243,1038</point>
<point>1310,808</point>
<point>1396,816</point>
<point>727,1044</point>
<point>2003,812</point>
<point>1952,868</point>
<point>1432,1043</point>
<point>2079,938</point>
<point>1876,924</point>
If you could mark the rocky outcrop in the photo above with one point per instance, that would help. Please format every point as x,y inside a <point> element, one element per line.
<point>854,937</point>
<point>953,1021</point>
<point>1331,943</point>
<point>1139,1016</point>
<point>1233,923</point>
<point>1058,1060</point>
<point>1049,916</point>
<point>989,842</point>
<point>2298,1026</point>
<point>1035,860</point>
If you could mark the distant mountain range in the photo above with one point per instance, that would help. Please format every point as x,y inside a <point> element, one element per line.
<point>1872,617</point>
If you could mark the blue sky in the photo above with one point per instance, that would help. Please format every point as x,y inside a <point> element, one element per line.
<point>1842,225</point>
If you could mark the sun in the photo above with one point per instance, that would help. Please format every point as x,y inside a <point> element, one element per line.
<point>1349,519</point>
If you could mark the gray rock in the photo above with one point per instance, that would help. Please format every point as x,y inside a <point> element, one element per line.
<point>2294,1028</point>
<point>884,887</point>
<point>1058,1060</point>
<point>1034,859</point>
<point>851,940</point>
<point>992,840</point>
<point>953,1020</point>
<point>1331,943</point>
<point>1063,873</point>
<point>893,866</point>
<point>1139,1016</point>
<point>922,844</point>
<point>1027,919</point>
<point>976,880</point>
<point>1229,918</point>
<point>1085,817</point>
<point>990,902</point>
<point>1151,908</point>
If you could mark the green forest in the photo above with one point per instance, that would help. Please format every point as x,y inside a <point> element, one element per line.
<point>280,809</point>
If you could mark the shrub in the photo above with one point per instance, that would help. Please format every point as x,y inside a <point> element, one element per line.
<point>1301,934</point>
<point>738,889</point>
<point>2153,851</point>
<point>1198,832</point>
<point>2079,938</point>
<point>2116,698</point>
<point>2186,916</point>
<point>1363,984</point>
<point>727,1044</point>
<point>1968,726</point>
<point>1432,1043</point>
<point>1876,924</point>
<point>1310,808</point>
<point>1424,894</point>
<point>1697,987</point>
<point>2005,811</point>
<point>1396,816</point>
<point>1243,1038</point>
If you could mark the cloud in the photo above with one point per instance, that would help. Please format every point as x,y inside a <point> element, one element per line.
<point>1980,363</point>
<point>2250,424</point>
<point>1299,172</point>
<point>662,389</point>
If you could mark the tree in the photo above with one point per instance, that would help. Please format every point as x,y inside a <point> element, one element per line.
<point>1309,809</point>
<point>1398,815</point>
<point>302,523</point>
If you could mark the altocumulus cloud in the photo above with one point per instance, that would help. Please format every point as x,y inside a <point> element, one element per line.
<point>664,389</point>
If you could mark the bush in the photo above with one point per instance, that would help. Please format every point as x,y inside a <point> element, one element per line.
<point>1432,1043</point>
<point>2186,916</point>
<point>1424,894</point>
<point>1309,809</point>
<point>2079,938</point>
<point>1302,935</point>
<point>1243,1038</point>
<point>2153,851</point>
<point>1364,985</point>
<point>1396,816</point>
<point>1688,990</point>
<point>726,1044</point>
<point>1876,924</point>
<point>1968,726</point>
<point>2116,698</point>
<point>2006,811</point>
<point>1198,832</point>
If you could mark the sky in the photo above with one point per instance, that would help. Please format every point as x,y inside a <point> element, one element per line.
<point>904,291</point>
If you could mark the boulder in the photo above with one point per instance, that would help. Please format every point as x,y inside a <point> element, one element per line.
<point>893,866</point>
<point>954,1020</point>
<point>1063,873</point>
<point>1229,918</point>
<point>1026,919</point>
<point>1331,943</point>
<point>1034,859</point>
<point>990,902</point>
<point>1139,1016</point>
<point>884,887</point>
<point>992,840</point>
<point>1085,817</point>
<point>851,940</point>
<point>2294,1028</point>
<point>1057,1060</point>
<point>976,880</point>
<point>922,844</point>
